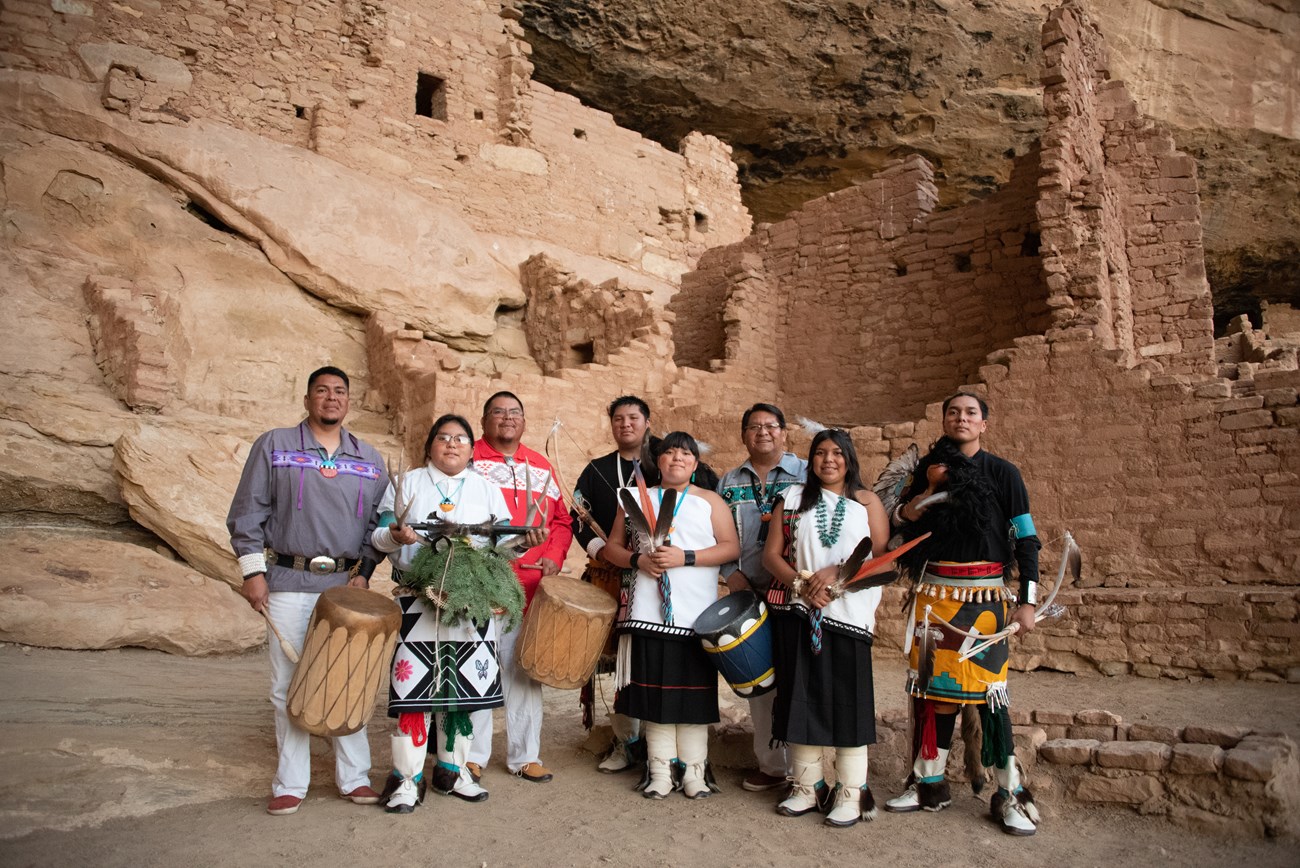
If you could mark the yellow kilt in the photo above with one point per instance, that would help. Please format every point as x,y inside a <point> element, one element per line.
<point>979,605</point>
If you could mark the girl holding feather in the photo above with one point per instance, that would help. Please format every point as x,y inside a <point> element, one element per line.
<point>823,631</point>
<point>675,535</point>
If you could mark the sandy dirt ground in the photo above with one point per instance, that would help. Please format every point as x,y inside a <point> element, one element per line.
<point>137,758</point>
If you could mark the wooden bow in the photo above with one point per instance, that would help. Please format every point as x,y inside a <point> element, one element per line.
<point>1070,557</point>
<point>575,506</point>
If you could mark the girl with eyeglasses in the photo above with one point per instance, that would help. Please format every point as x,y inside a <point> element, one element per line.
<point>427,675</point>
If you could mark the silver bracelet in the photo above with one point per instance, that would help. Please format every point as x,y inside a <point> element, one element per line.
<point>1028,594</point>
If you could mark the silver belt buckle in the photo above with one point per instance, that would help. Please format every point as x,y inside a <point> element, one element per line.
<point>321,565</point>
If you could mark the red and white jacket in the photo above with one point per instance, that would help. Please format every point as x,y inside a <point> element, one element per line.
<point>511,474</point>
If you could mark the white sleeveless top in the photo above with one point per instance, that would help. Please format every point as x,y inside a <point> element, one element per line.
<point>692,589</point>
<point>857,608</point>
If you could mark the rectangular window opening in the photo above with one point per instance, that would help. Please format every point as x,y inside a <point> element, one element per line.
<point>430,96</point>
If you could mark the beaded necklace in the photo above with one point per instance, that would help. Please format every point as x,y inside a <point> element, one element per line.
<point>681,498</point>
<point>448,503</point>
<point>829,538</point>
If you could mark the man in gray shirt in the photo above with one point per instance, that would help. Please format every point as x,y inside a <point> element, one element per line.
<point>751,490</point>
<point>308,494</point>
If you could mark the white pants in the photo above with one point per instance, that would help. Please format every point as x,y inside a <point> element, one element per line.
<point>771,760</point>
<point>523,698</point>
<point>291,612</point>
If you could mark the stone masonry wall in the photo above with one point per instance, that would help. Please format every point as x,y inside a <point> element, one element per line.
<point>860,289</point>
<point>1203,777</point>
<point>1120,212</point>
<point>1181,493</point>
<point>126,327</point>
<point>1231,780</point>
<point>435,93</point>
<point>1179,478</point>
<point>570,322</point>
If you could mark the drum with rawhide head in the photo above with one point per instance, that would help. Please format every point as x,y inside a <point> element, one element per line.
<point>564,631</point>
<point>344,660</point>
<point>737,635</point>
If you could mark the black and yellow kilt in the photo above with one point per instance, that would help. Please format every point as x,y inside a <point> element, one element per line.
<point>973,597</point>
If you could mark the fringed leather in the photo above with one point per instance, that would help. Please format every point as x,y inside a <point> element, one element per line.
<point>972,739</point>
<point>623,665</point>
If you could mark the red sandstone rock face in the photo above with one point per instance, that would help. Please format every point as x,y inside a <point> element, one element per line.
<point>166,302</point>
<point>816,96</point>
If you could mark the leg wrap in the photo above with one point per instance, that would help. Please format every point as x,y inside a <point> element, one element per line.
<point>1008,776</point>
<point>661,746</point>
<point>406,788</point>
<point>808,788</point>
<point>693,748</point>
<point>850,787</point>
<point>931,768</point>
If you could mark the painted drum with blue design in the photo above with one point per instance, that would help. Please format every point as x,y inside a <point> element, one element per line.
<point>737,635</point>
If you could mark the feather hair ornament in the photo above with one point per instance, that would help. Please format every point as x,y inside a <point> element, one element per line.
<point>812,426</point>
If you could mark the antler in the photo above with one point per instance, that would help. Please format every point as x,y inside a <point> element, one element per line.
<point>400,510</point>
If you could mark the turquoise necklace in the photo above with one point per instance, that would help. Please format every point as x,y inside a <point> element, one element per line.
<point>829,538</point>
<point>681,498</point>
<point>448,503</point>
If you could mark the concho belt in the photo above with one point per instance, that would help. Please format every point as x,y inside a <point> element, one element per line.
<point>321,565</point>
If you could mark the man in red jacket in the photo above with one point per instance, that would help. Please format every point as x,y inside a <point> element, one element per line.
<point>502,458</point>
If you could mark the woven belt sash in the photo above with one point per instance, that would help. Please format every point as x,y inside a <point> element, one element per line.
<point>977,582</point>
<point>970,570</point>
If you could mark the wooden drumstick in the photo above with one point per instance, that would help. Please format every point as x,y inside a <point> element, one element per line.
<point>284,643</point>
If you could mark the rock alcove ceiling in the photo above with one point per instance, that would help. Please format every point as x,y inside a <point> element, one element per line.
<point>814,96</point>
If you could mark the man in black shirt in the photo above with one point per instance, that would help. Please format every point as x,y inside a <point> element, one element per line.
<point>597,487</point>
<point>979,530</point>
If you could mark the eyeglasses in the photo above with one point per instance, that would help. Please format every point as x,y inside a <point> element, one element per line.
<point>769,427</point>
<point>511,412</point>
<point>459,439</point>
